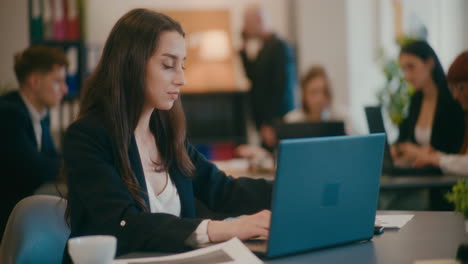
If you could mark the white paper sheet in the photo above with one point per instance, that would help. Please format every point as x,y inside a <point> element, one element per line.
<point>392,221</point>
<point>230,252</point>
<point>437,261</point>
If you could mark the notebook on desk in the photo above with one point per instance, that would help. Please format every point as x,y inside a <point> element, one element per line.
<point>309,129</point>
<point>325,193</point>
<point>376,125</point>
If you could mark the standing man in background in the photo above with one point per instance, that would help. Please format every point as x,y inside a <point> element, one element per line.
<point>272,74</point>
<point>28,157</point>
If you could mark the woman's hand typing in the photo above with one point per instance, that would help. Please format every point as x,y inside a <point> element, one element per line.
<point>246,227</point>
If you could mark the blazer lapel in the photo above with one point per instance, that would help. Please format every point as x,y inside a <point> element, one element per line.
<point>185,190</point>
<point>135,162</point>
<point>182,183</point>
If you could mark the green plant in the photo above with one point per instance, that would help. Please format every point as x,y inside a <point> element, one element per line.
<point>395,95</point>
<point>459,197</point>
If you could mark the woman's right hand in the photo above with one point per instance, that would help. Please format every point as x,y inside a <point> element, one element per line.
<point>246,227</point>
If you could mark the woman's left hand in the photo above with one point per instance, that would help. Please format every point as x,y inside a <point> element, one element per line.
<point>427,157</point>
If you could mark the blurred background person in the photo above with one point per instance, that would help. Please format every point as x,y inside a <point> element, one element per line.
<point>28,156</point>
<point>457,77</point>
<point>272,73</point>
<point>434,118</point>
<point>317,99</point>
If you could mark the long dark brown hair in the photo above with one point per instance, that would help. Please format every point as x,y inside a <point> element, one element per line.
<point>116,88</point>
<point>424,51</point>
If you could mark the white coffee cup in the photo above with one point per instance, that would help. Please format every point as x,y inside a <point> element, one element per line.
<point>92,249</point>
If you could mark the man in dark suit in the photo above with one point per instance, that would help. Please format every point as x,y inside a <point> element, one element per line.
<point>28,157</point>
<point>272,74</point>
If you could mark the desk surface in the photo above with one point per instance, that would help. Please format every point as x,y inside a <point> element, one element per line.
<point>429,235</point>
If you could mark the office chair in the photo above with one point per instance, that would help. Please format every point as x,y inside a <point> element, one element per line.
<point>36,231</point>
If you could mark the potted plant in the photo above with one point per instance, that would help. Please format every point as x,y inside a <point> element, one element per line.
<point>459,197</point>
<point>395,95</point>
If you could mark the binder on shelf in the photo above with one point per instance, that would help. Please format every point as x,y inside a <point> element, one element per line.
<point>73,79</point>
<point>58,20</point>
<point>72,15</point>
<point>57,23</point>
<point>35,12</point>
<point>48,31</point>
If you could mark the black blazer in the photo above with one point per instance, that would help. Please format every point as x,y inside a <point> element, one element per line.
<point>273,78</point>
<point>448,128</point>
<point>101,204</point>
<point>23,167</point>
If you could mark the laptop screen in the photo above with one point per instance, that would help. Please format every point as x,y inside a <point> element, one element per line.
<point>322,183</point>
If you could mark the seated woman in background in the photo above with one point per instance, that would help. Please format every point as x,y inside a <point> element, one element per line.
<point>434,120</point>
<point>317,98</point>
<point>130,170</point>
<point>452,163</point>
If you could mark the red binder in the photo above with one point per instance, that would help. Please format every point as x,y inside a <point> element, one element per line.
<point>58,19</point>
<point>72,20</point>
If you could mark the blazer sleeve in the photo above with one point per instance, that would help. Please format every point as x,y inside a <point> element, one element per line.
<point>101,204</point>
<point>224,194</point>
<point>248,65</point>
<point>449,128</point>
<point>283,82</point>
<point>454,164</point>
<point>20,150</point>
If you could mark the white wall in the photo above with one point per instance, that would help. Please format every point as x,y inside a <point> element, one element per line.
<point>454,30</point>
<point>364,76</point>
<point>14,30</point>
<point>446,22</point>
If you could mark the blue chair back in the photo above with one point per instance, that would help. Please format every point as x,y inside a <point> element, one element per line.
<point>36,231</point>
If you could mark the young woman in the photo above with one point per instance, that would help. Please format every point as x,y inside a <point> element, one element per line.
<point>130,170</point>
<point>452,163</point>
<point>434,118</point>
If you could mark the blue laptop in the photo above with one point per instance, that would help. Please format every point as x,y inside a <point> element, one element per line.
<point>325,193</point>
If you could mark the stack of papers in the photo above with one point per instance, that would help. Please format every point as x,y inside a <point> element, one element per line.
<point>232,252</point>
<point>392,221</point>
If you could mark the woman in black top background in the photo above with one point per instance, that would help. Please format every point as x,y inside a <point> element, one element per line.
<point>432,108</point>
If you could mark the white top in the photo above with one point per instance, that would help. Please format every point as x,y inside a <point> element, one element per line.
<point>423,135</point>
<point>36,118</point>
<point>168,201</point>
<point>298,115</point>
<point>454,164</point>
